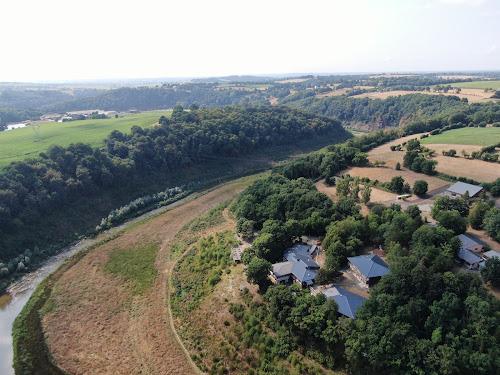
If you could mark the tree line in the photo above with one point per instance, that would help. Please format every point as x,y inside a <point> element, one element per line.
<point>35,187</point>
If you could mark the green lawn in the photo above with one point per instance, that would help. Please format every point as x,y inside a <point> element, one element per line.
<point>466,136</point>
<point>495,85</point>
<point>19,144</point>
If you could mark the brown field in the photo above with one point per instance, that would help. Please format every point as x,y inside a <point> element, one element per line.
<point>332,93</point>
<point>378,196</point>
<point>472,95</point>
<point>386,174</point>
<point>457,166</point>
<point>97,326</point>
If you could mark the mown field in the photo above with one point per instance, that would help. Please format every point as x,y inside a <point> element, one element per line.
<point>19,144</point>
<point>466,136</point>
<point>495,85</point>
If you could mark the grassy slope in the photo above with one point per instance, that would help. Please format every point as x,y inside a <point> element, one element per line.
<point>20,143</point>
<point>466,136</point>
<point>478,85</point>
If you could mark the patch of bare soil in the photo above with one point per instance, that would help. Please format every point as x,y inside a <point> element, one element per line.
<point>96,326</point>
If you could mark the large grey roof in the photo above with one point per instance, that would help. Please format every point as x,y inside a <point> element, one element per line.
<point>370,265</point>
<point>282,268</point>
<point>347,302</point>
<point>301,252</point>
<point>462,187</point>
<point>469,256</point>
<point>469,241</point>
<point>299,263</point>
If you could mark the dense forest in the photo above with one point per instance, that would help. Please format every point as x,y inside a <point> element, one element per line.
<point>33,188</point>
<point>420,319</point>
<point>164,97</point>
<point>399,110</point>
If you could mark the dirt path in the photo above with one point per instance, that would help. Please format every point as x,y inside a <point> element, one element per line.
<point>96,326</point>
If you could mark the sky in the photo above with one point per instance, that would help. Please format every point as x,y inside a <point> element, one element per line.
<point>111,39</point>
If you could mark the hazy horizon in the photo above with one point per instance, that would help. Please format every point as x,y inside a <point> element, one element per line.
<point>94,41</point>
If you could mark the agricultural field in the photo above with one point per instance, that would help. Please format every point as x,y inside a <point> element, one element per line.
<point>457,166</point>
<point>466,136</point>
<point>472,95</point>
<point>495,85</point>
<point>21,143</point>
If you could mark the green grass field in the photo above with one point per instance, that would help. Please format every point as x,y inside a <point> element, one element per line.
<point>466,136</point>
<point>19,144</point>
<point>495,85</point>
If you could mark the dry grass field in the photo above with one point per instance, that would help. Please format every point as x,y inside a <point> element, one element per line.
<point>95,324</point>
<point>385,174</point>
<point>332,93</point>
<point>472,95</point>
<point>457,166</point>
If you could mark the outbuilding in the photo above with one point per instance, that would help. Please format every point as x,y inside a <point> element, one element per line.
<point>458,190</point>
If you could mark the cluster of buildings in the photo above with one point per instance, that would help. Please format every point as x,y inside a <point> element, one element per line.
<point>299,266</point>
<point>472,252</point>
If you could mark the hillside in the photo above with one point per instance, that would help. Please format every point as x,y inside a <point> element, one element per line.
<point>23,143</point>
<point>52,200</point>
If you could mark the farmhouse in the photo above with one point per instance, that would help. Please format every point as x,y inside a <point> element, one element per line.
<point>472,243</point>
<point>298,266</point>
<point>458,189</point>
<point>368,269</point>
<point>347,302</point>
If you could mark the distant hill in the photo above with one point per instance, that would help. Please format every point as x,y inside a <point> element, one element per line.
<point>233,78</point>
<point>150,98</point>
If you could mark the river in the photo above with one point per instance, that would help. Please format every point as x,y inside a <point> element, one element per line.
<point>19,293</point>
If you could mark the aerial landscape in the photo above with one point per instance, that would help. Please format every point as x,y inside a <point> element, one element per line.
<point>261,188</point>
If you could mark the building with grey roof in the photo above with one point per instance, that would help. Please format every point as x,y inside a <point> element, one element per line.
<point>491,254</point>
<point>471,243</point>
<point>298,266</point>
<point>458,189</point>
<point>347,302</point>
<point>368,268</point>
<point>471,260</point>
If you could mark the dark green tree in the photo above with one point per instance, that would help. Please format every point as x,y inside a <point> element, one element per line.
<point>420,188</point>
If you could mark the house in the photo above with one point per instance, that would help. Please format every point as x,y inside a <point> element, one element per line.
<point>458,189</point>
<point>491,254</point>
<point>297,266</point>
<point>472,243</point>
<point>347,302</point>
<point>471,260</point>
<point>368,269</point>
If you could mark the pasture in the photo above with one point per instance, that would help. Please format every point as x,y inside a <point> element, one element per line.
<point>495,85</point>
<point>19,144</point>
<point>466,136</point>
